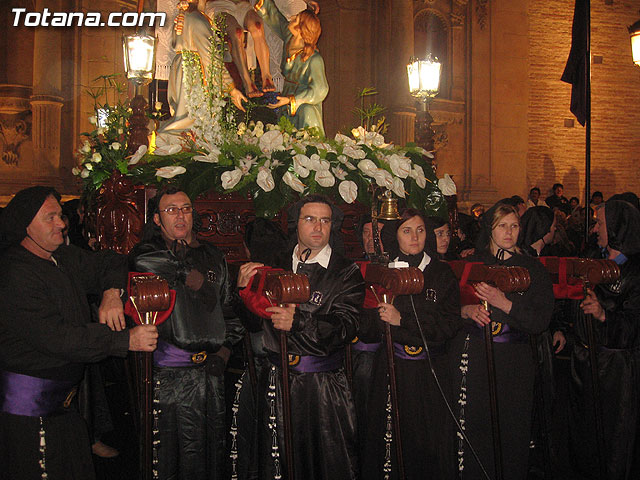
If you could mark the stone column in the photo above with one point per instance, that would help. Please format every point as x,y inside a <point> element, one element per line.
<point>402,110</point>
<point>46,102</point>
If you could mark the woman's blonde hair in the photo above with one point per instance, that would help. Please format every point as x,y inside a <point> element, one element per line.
<point>310,30</point>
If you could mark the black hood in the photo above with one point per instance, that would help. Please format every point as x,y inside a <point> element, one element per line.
<point>623,226</point>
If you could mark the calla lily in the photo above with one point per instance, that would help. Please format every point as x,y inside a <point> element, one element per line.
<point>96,158</point>
<point>400,166</point>
<point>325,178</point>
<point>293,181</point>
<point>170,171</point>
<point>265,179</point>
<point>230,178</point>
<point>348,191</point>
<point>135,158</point>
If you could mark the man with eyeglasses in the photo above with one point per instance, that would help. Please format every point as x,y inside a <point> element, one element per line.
<point>194,342</point>
<point>322,409</point>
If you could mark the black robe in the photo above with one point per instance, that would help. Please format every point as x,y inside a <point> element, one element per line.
<point>618,338</point>
<point>190,400</point>
<point>427,429</point>
<point>45,332</point>
<point>322,409</point>
<point>515,373</point>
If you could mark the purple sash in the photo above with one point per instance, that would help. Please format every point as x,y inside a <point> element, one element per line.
<point>504,334</point>
<point>365,347</point>
<point>33,396</point>
<point>311,363</point>
<point>167,355</point>
<point>409,353</point>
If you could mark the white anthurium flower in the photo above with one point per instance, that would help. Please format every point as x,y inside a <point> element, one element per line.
<point>353,152</point>
<point>375,139</point>
<point>211,157</point>
<point>170,171</point>
<point>271,141</point>
<point>348,191</point>
<point>325,178</point>
<point>84,173</point>
<point>135,158</point>
<point>293,181</point>
<point>115,146</point>
<point>168,150</point>
<point>343,139</point>
<point>422,151</point>
<point>246,163</point>
<point>96,158</point>
<point>327,147</point>
<point>88,166</point>
<point>384,178</point>
<point>230,178</point>
<point>339,173</point>
<point>447,185</point>
<point>300,165</point>
<point>418,174</point>
<point>345,161</point>
<point>75,171</point>
<point>315,163</point>
<point>358,133</point>
<point>265,179</point>
<point>398,187</point>
<point>368,167</point>
<point>400,165</point>
<point>86,147</point>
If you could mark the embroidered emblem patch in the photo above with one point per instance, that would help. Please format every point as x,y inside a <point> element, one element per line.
<point>316,298</point>
<point>294,360</point>
<point>211,276</point>
<point>412,351</point>
<point>496,328</point>
<point>431,295</point>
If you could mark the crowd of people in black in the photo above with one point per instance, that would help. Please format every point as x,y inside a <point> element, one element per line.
<point>342,409</point>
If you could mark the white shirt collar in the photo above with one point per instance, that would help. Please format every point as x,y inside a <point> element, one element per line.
<point>426,259</point>
<point>322,257</point>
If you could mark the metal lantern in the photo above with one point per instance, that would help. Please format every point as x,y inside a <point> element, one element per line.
<point>634,33</point>
<point>424,77</point>
<point>139,57</point>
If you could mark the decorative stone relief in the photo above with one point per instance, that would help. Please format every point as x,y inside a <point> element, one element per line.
<point>482,13</point>
<point>14,130</point>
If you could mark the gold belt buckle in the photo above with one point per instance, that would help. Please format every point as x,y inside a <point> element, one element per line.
<point>199,357</point>
<point>69,399</point>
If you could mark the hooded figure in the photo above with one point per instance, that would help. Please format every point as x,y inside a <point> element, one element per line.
<point>20,211</point>
<point>616,312</point>
<point>535,225</point>
<point>515,316</point>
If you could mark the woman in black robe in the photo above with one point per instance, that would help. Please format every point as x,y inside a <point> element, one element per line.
<point>427,429</point>
<point>514,317</point>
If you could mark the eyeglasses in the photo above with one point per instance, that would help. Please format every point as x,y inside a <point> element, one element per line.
<point>186,210</point>
<point>313,220</point>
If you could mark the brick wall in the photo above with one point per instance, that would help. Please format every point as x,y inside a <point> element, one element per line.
<point>556,152</point>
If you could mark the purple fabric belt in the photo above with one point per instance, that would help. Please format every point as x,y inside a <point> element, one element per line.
<point>311,363</point>
<point>365,347</point>
<point>167,355</point>
<point>409,353</point>
<point>503,334</point>
<point>33,396</point>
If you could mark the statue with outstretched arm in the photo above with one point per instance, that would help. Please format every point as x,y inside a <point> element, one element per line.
<point>305,81</point>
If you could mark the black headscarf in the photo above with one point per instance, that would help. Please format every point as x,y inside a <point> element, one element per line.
<point>534,224</point>
<point>293,214</point>
<point>623,226</point>
<point>431,244</point>
<point>20,211</point>
<point>389,236</point>
<point>483,241</point>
